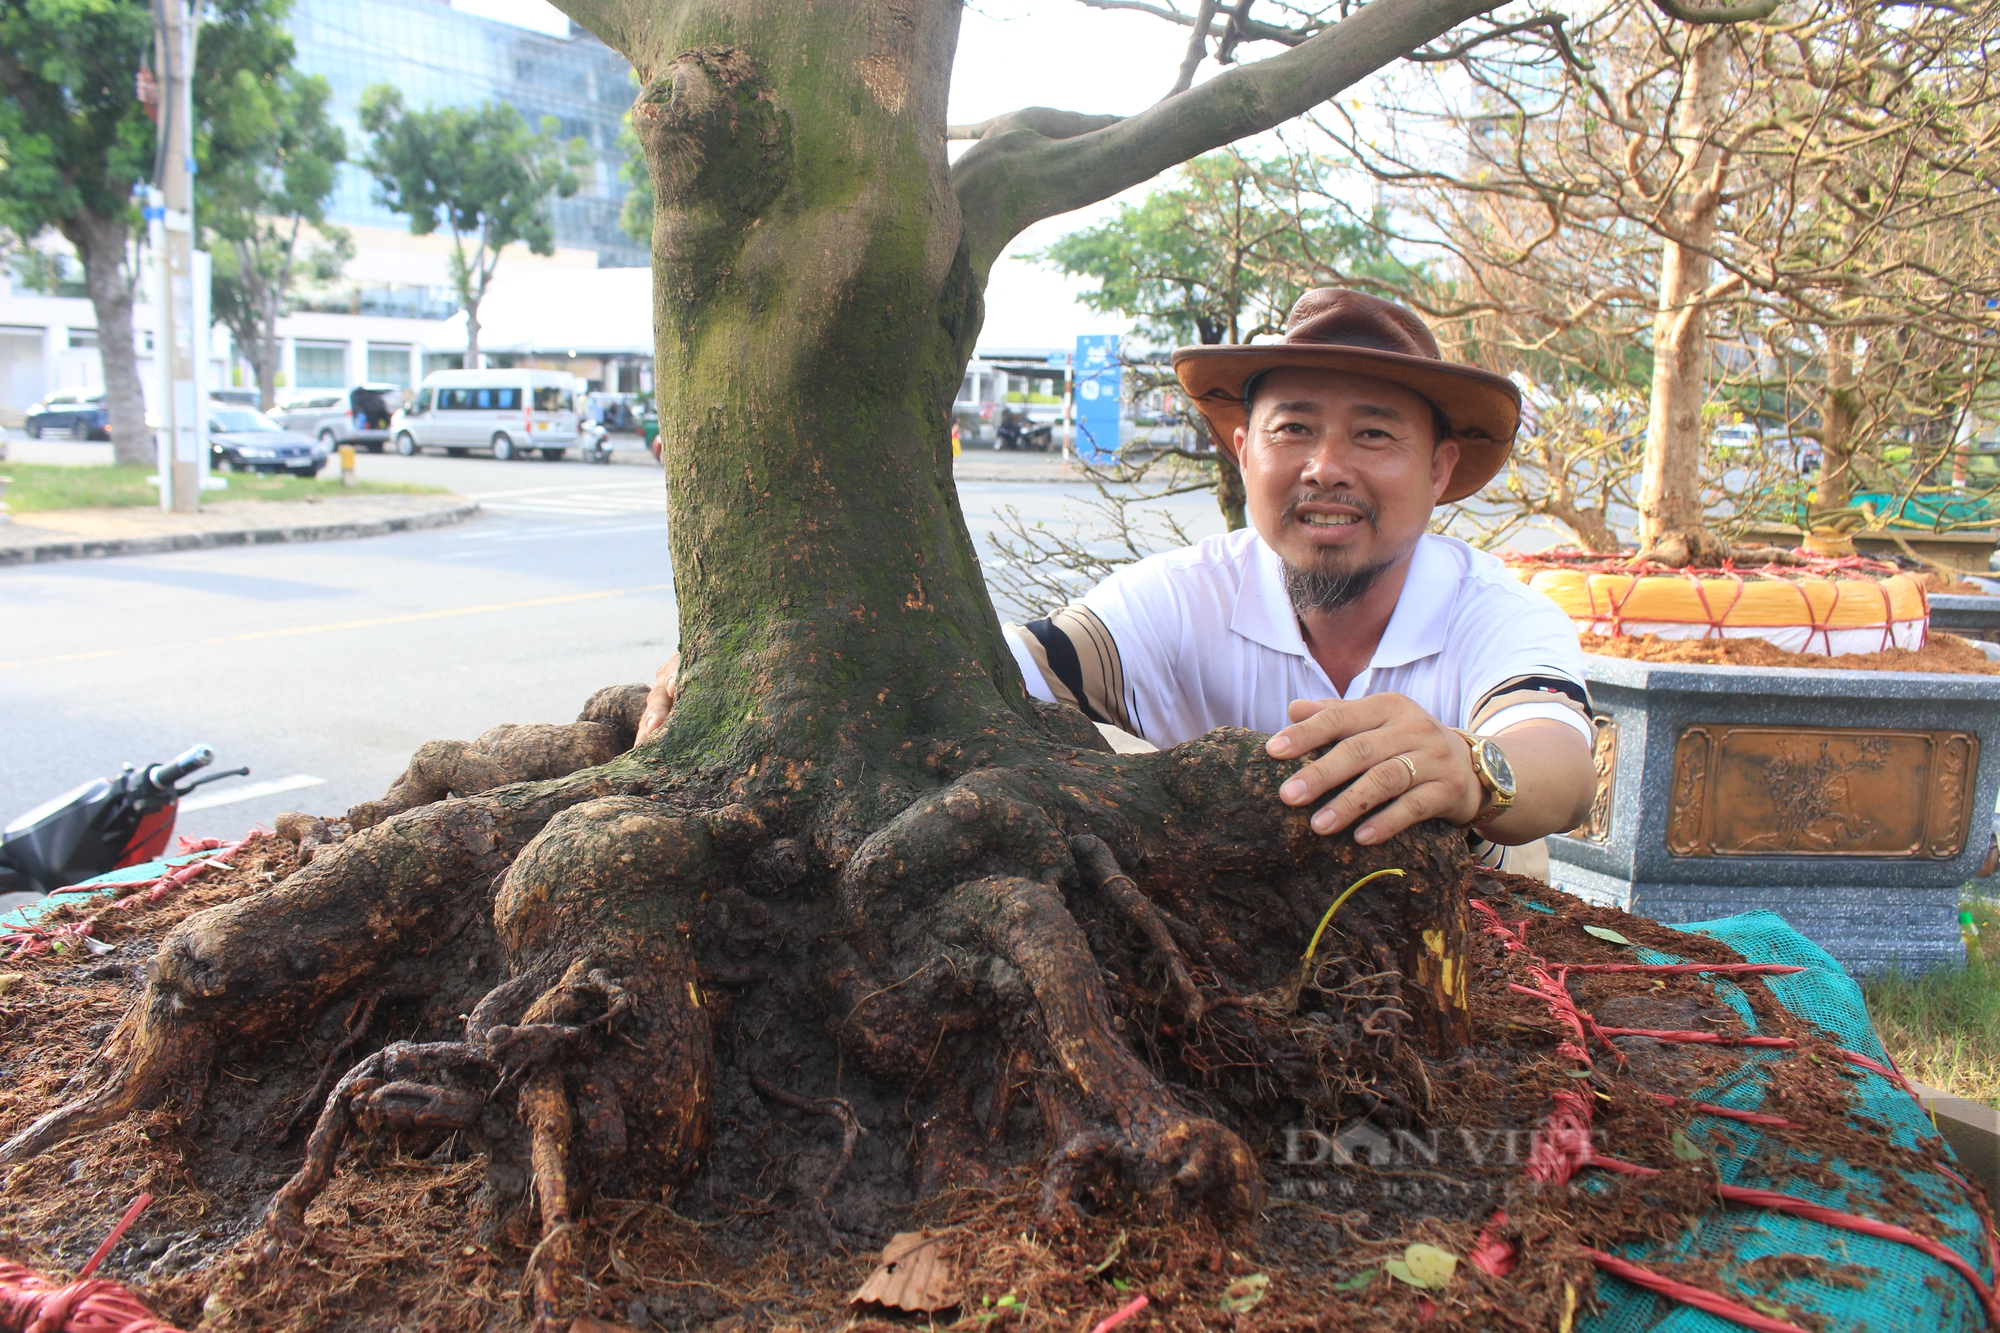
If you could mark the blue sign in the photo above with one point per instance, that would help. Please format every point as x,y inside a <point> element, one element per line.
<point>1100,397</point>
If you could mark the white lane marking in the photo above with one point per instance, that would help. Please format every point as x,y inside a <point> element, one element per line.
<point>255,790</point>
<point>568,530</point>
<point>657,487</point>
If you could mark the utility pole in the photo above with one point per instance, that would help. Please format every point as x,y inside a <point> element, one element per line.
<point>180,345</point>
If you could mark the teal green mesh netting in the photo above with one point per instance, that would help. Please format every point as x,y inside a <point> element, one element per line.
<point>1894,1287</point>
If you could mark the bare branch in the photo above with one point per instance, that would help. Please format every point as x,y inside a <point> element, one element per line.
<point>1253,30</point>
<point>1755,11</point>
<point>1014,178</point>
<point>1047,122</point>
<point>1426,56</point>
<point>1197,49</point>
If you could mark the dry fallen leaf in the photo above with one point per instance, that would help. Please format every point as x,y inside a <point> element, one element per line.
<point>1424,1266</point>
<point>912,1276</point>
<point>586,1324</point>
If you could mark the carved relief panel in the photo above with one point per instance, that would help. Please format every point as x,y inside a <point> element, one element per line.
<point>1820,791</point>
<point>1596,826</point>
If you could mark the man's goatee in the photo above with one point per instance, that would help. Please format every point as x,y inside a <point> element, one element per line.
<point>1322,590</point>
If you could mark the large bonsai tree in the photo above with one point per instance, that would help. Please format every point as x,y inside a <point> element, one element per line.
<point>858,847</point>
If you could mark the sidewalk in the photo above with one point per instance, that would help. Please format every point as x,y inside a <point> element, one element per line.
<point>971,465</point>
<point>73,534</point>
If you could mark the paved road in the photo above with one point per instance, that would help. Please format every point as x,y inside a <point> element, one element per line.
<point>332,661</point>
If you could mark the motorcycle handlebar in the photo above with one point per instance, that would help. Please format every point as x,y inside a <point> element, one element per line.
<point>167,774</point>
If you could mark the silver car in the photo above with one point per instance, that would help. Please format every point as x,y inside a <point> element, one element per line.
<point>335,417</point>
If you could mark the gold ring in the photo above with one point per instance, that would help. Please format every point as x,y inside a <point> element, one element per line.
<point>1408,763</point>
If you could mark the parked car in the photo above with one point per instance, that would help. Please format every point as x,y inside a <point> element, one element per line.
<point>235,397</point>
<point>511,412</point>
<point>80,414</point>
<point>245,440</point>
<point>360,415</point>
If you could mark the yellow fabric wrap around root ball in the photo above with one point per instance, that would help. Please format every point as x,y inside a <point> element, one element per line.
<point>1829,615</point>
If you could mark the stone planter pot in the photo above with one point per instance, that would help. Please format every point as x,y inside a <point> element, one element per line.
<point>1969,552</point>
<point>1968,615</point>
<point>1852,803</point>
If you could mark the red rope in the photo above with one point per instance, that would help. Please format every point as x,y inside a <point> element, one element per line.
<point>1121,1314</point>
<point>103,1251</point>
<point>31,1303</point>
<point>1707,1038</point>
<point>1726,1112</point>
<point>1893,1075</point>
<point>32,939</point>
<point>1700,1298</point>
<point>1868,1226</point>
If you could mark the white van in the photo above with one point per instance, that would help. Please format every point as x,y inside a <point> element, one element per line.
<point>511,412</point>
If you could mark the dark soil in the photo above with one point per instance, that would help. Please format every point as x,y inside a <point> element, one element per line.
<point>397,1238</point>
<point>1944,654</point>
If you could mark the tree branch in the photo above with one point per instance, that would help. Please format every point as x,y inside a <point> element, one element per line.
<point>1253,30</point>
<point>1045,121</point>
<point>1197,47</point>
<point>1753,12</point>
<point>1015,176</point>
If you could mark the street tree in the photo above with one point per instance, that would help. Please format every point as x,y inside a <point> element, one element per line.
<point>269,153</point>
<point>74,141</point>
<point>480,173</point>
<point>1217,256</point>
<point>858,856</point>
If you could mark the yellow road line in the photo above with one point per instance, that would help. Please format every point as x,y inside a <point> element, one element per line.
<point>253,635</point>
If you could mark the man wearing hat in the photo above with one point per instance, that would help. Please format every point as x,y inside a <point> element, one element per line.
<point>1445,687</point>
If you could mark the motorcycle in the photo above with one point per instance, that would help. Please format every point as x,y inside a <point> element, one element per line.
<point>103,825</point>
<point>1013,433</point>
<point>596,441</point>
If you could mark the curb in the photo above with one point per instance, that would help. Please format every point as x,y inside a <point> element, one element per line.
<point>90,549</point>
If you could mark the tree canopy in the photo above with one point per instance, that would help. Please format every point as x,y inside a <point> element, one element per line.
<point>478,172</point>
<point>269,153</point>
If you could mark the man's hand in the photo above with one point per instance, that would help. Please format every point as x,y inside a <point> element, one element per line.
<point>659,699</point>
<point>1394,758</point>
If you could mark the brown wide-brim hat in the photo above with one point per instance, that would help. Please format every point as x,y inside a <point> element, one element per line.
<point>1334,329</point>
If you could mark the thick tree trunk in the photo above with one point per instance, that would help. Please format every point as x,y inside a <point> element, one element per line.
<point>102,243</point>
<point>1838,416</point>
<point>815,306</point>
<point>1670,489</point>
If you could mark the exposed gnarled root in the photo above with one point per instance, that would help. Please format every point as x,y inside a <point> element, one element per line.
<point>511,753</point>
<point>1158,1144</point>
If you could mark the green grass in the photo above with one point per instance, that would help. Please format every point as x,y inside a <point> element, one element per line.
<point>1943,1027</point>
<point>43,486</point>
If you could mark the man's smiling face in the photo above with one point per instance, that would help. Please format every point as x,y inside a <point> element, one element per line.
<point>1340,473</point>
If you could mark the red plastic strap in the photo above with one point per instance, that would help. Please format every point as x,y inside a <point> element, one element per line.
<point>1726,1112</point>
<point>1493,1252</point>
<point>31,1303</point>
<point>1868,1226</point>
<point>1550,991</point>
<point>1562,1147</point>
<point>1893,1075</point>
<point>1121,1314</point>
<point>124,1223</point>
<point>1514,939</point>
<point>1680,969</point>
<point>1705,1038</point>
<point>1699,1297</point>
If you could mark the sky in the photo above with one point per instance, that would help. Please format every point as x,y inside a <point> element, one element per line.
<point>1013,54</point>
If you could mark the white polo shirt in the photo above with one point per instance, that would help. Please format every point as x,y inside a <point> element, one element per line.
<point>1183,642</point>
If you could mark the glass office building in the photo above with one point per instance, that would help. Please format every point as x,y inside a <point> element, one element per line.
<point>439,56</point>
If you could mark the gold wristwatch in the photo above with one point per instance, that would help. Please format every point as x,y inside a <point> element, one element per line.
<point>1495,774</point>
